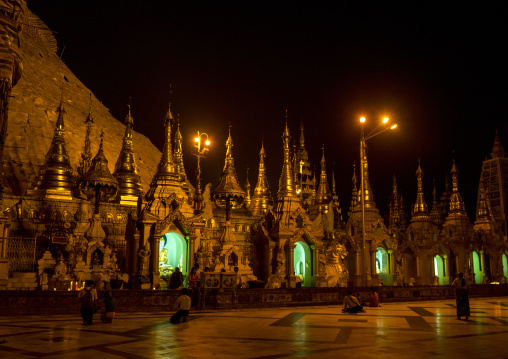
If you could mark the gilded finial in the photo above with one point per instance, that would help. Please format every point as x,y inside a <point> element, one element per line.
<point>262,197</point>
<point>323,196</point>
<point>286,180</point>
<point>420,209</point>
<point>61,111</point>
<point>456,202</point>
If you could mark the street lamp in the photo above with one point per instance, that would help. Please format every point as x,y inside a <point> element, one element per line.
<point>376,131</point>
<point>199,151</point>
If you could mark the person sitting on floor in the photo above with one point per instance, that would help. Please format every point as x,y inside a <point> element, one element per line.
<point>183,304</point>
<point>374,299</point>
<point>351,304</point>
<point>109,302</point>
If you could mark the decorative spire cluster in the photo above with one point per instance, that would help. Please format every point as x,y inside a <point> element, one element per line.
<point>98,182</point>
<point>166,180</point>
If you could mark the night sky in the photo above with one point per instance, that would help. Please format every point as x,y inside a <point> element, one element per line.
<point>440,72</point>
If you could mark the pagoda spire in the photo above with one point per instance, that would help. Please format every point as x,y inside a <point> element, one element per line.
<point>335,201</point>
<point>323,196</point>
<point>228,193</point>
<point>420,209</point>
<point>86,155</point>
<point>178,152</point>
<point>314,182</point>
<point>483,212</point>
<point>166,164</point>
<point>55,179</point>
<point>334,191</point>
<point>456,202</point>
<point>368,195</point>
<point>247,190</point>
<point>435,214</point>
<point>286,181</point>
<point>354,192</point>
<point>126,170</point>
<point>262,198</point>
<point>167,181</point>
<point>497,148</point>
<point>395,217</point>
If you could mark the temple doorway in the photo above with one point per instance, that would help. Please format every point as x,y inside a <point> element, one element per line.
<point>478,272</point>
<point>505,265</point>
<point>439,270</point>
<point>382,265</point>
<point>172,254</point>
<point>302,263</point>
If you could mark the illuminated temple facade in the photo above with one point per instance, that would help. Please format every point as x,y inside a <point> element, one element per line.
<point>68,216</point>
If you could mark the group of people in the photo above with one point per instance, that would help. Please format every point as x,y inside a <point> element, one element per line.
<point>90,304</point>
<point>352,304</point>
<point>176,279</point>
<point>89,300</point>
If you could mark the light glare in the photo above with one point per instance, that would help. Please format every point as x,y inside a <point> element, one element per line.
<point>362,119</point>
<point>196,139</point>
<point>385,120</point>
<point>391,128</point>
<point>207,143</point>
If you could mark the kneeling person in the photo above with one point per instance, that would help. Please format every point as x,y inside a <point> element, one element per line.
<point>183,304</point>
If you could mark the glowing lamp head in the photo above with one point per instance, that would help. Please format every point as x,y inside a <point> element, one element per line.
<point>385,120</point>
<point>394,126</point>
<point>196,139</point>
<point>207,143</point>
<point>362,119</point>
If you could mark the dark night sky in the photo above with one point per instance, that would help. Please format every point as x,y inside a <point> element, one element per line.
<point>439,71</point>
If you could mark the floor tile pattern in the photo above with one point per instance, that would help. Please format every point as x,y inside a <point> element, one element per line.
<point>395,330</point>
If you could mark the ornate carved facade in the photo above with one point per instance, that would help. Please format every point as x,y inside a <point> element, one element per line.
<point>79,221</point>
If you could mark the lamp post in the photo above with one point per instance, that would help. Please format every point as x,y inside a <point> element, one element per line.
<point>199,151</point>
<point>376,131</point>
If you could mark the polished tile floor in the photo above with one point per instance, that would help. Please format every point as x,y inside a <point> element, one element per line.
<point>396,330</point>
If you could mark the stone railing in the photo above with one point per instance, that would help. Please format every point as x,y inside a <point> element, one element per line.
<point>59,302</point>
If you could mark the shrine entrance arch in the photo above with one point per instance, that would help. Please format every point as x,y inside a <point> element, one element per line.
<point>173,252</point>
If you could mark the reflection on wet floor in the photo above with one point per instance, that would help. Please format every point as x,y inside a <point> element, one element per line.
<point>402,330</point>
